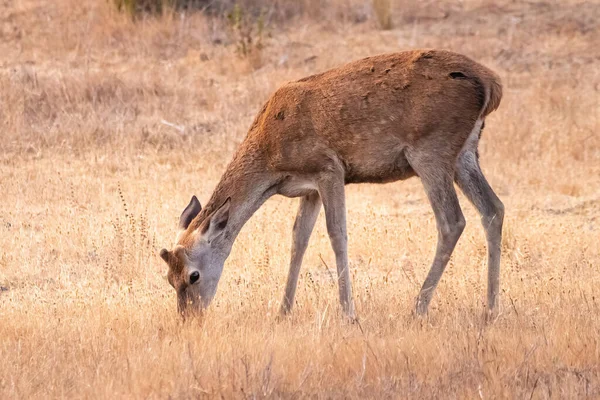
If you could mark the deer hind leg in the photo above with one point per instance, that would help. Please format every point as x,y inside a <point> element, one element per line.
<point>331,189</point>
<point>473,184</point>
<point>308,212</point>
<point>438,183</point>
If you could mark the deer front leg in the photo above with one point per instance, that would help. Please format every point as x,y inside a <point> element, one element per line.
<point>308,212</point>
<point>331,189</point>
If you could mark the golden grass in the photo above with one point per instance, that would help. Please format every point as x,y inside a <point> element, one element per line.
<point>109,126</point>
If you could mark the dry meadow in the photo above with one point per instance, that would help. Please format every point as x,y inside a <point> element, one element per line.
<point>108,126</point>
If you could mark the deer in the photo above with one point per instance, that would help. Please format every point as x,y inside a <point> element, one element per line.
<point>380,119</point>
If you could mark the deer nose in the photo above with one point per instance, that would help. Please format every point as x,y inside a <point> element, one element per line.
<point>194,276</point>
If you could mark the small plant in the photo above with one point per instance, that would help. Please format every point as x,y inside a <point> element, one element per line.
<point>247,31</point>
<point>126,6</point>
<point>383,12</point>
<point>134,7</point>
<point>132,245</point>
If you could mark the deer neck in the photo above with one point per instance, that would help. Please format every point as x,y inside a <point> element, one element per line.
<point>248,183</point>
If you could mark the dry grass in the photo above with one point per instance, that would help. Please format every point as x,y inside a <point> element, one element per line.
<point>382,9</point>
<point>109,126</point>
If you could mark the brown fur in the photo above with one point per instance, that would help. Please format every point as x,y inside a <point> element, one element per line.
<point>364,116</point>
<point>377,120</point>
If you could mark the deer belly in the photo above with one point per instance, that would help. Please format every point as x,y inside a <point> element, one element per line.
<point>382,169</point>
<point>296,186</point>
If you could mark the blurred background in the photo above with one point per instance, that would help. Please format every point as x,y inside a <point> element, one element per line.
<point>113,113</point>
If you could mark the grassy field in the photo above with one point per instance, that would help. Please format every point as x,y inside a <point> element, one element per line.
<point>108,127</point>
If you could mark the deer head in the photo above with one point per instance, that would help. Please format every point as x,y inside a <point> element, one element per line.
<point>196,262</point>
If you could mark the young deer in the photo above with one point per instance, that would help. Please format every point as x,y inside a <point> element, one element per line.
<point>377,120</point>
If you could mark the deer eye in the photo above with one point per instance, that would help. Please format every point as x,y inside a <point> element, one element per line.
<point>194,276</point>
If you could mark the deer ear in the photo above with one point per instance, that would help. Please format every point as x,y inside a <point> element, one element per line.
<point>189,213</point>
<point>217,222</point>
<point>164,254</point>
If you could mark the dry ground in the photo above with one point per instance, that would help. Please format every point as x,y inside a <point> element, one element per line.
<point>93,179</point>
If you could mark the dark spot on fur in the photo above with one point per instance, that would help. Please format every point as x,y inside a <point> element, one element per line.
<point>387,70</point>
<point>280,115</point>
<point>426,56</point>
<point>475,81</point>
<point>372,69</point>
<point>457,75</point>
<point>402,87</point>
